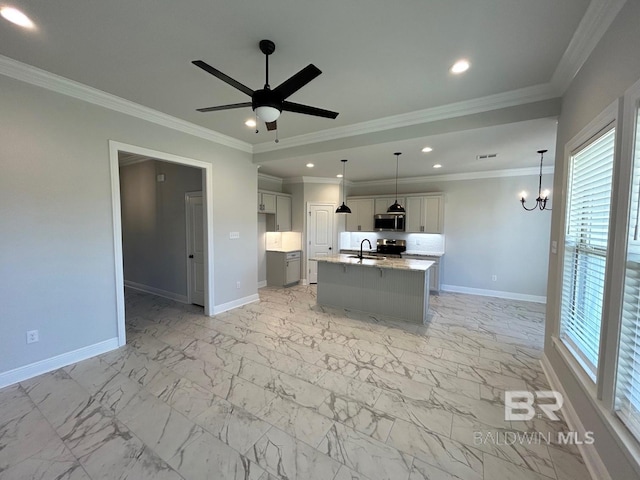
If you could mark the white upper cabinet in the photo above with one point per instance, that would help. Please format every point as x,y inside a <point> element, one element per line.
<point>283,213</point>
<point>382,203</point>
<point>361,217</point>
<point>425,214</point>
<point>278,205</point>
<point>266,202</point>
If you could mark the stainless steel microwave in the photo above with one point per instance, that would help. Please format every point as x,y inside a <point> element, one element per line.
<point>388,223</point>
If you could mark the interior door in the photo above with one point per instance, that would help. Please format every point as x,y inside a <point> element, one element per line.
<point>319,236</point>
<point>195,248</point>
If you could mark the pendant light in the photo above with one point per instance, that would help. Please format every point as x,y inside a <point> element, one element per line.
<point>343,208</point>
<point>396,208</point>
<point>543,197</point>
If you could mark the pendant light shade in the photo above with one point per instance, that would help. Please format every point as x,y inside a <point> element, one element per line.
<point>343,208</point>
<point>396,208</point>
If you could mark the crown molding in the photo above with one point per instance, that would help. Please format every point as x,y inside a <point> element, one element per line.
<point>325,180</point>
<point>597,19</point>
<point>269,178</point>
<point>594,24</point>
<point>452,177</point>
<point>521,96</point>
<point>50,81</point>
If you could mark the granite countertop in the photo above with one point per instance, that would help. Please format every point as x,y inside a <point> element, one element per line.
<point>382,262</point>
<point>415,253</point>
<point>284,250</point>
<point>420,253</point>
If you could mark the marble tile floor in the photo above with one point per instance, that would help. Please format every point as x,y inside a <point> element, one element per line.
<point>284,389</point>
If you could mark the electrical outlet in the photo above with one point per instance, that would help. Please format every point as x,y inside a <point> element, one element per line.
<point>237,284</point>
<point>33,336</point>
<point>494,278</point>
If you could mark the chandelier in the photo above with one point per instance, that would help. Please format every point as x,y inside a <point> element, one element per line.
<point>543,196</point>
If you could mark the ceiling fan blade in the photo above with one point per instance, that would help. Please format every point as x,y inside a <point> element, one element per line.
<point>308,110</point>
<point>224,107</point>
<point>225,78</point>
<point>272,125</point>
<point>297,81</point>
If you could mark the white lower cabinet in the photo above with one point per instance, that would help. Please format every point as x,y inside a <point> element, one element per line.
<point>283,268</point>
<point>434,271</point>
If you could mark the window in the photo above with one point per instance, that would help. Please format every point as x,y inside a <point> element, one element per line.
<point>628,376</point>
<point>585,249</point>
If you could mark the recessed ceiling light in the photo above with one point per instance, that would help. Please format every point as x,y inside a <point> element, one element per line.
<point>310,165</point>
<point>437,165</point>
<point>16,16</point>
<point>427,149</point>
<point>460,66</point>
<point>250,123</point>
<point>339,175</point>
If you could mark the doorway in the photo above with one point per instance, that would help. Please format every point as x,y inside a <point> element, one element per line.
<point>116,148</point>
<point>320,239</point>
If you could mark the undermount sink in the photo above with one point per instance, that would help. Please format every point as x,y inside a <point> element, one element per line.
<point>367,257</point>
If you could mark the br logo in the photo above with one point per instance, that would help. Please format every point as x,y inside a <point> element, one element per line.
<point>519,405</point>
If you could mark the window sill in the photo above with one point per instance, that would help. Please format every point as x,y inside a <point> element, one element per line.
<point>626,441</point>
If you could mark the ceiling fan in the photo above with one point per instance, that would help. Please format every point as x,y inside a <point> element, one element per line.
<point>267,103</point>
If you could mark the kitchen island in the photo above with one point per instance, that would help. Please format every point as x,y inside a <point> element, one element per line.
<point>396,288</point>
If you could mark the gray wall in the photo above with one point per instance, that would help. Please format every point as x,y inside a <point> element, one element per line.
<point>487,232</point>
<point>612,67</point>
<point>301,193</point>
<point>57,269</point>
<point>154,241</point>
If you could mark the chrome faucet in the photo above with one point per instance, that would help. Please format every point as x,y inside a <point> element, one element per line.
<point>362,243</point>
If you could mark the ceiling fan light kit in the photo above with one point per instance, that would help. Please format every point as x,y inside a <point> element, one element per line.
<point>268,104</point>
<point>267,114</point>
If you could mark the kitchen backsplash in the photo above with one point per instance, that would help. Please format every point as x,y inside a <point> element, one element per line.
<point>286,241</point>
<point>416,242</point>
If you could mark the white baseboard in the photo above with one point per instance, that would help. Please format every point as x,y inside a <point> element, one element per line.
<point>43,366</point>
<point>590,455</point>
<point>261,284</point>
<point>494,293</point>
<point>235,303</point>
<point>156,291</point>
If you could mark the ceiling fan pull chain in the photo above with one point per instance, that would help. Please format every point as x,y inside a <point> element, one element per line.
<point>277,141</point>
<point>257,131</point>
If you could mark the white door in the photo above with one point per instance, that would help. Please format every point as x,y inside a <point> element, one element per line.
<point>319,235</point>
<point>195,248</point>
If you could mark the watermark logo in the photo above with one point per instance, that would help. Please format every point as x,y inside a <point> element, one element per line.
<point>519,405</point>
<point>508,438</point>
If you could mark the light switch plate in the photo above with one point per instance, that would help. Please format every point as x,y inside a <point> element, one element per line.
<point>234,235</point>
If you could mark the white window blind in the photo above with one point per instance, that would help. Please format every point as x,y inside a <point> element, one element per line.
<point>628,377</point>
<point>585,249</point>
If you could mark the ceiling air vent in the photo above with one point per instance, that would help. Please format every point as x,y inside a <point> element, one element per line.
<point>486,155</point>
